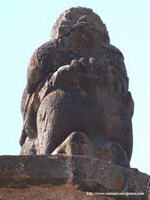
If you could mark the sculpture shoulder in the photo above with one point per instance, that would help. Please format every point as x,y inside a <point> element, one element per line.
<point>42,54</point>
<point>41,63</point>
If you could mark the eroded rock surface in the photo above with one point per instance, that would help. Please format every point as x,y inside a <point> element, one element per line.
<point>77,82</point>
<point>61,177</point>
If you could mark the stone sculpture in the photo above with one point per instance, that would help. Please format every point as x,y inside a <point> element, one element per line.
<point>76,100</point>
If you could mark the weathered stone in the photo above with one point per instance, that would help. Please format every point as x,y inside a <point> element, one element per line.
<point>51,193</point>
<point>78,143</point>
<point>25,171</point>
<point>77,82</point>
<point>62,177</point>
<point>79,19</point>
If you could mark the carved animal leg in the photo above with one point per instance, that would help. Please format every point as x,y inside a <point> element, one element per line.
<point>54,120</point>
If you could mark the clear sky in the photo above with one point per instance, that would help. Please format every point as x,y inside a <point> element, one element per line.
<point>26,24</point>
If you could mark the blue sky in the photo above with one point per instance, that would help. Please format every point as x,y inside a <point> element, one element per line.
<point>26,24</point>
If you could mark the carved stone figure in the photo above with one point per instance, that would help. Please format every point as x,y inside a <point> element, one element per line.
<point>76,100</point>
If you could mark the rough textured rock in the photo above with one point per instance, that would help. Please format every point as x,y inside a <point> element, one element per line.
<point>61,177</point>
<point>78,144</point>
<point>77,82</point>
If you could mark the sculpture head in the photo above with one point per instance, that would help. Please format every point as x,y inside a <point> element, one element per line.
<point>82,20</point>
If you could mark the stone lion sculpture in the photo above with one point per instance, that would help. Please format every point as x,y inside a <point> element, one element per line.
<point>76,100</point>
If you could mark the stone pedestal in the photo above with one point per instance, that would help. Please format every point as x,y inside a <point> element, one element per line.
<point>61,177</point>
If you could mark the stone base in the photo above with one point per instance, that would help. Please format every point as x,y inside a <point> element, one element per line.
<point>64,177</point>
